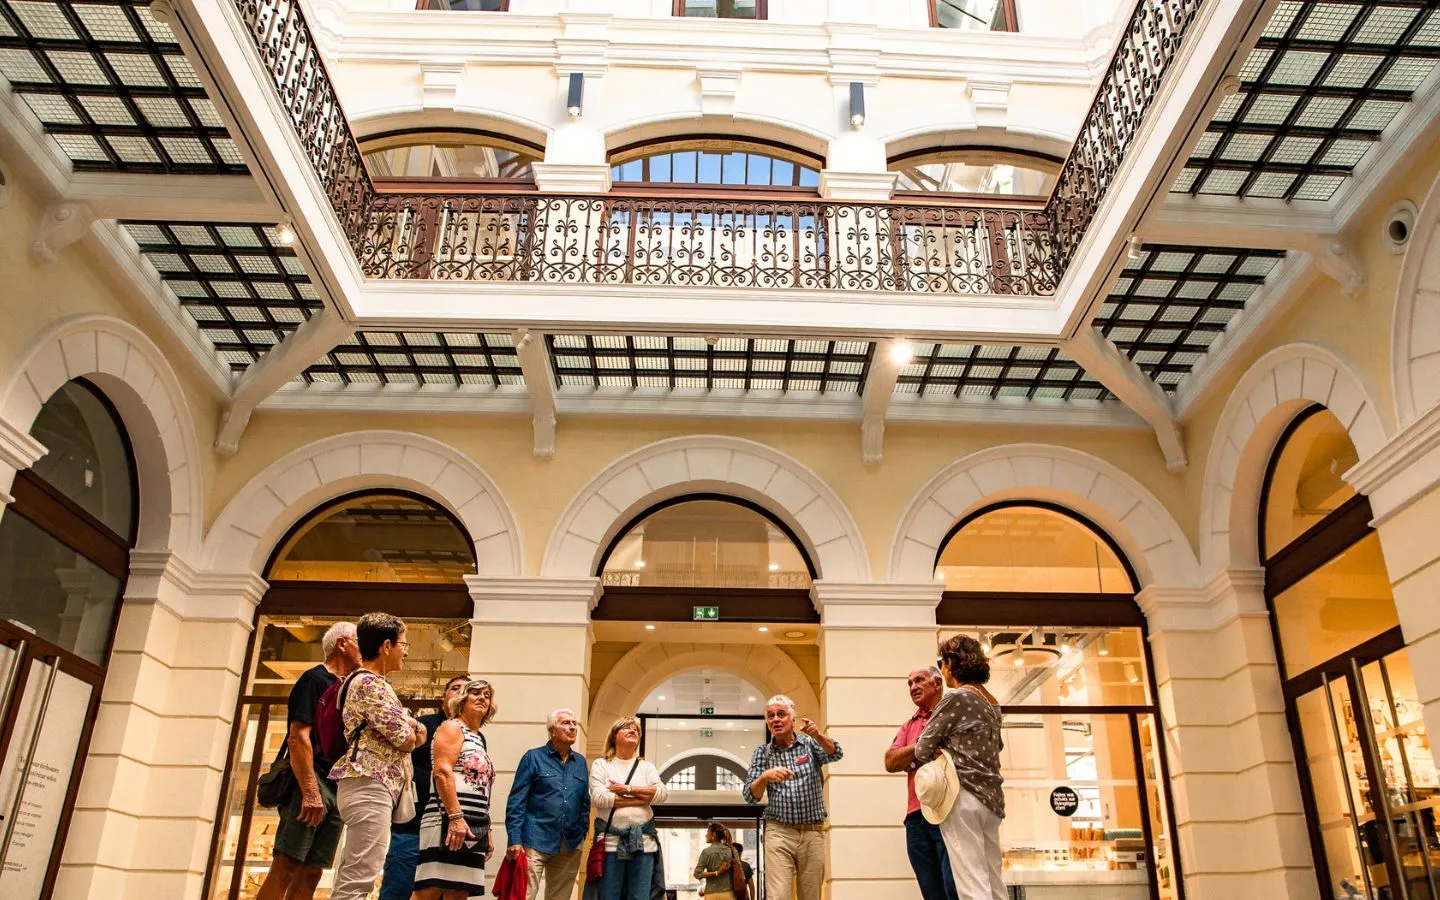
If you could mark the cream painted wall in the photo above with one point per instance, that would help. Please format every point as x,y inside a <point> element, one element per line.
<point>37,295</point>
<point>541,490</point>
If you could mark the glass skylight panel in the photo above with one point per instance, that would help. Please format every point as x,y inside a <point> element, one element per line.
<point>1324,81</point>
<point>1166,338</point>
<point>990,371</point>
<point>695,362</point>
<point>125,81</point>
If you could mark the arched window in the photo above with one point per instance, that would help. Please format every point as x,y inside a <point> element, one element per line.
<point>1051,600</point>
<point>1367,771</point>
<point>450,154</point>
<point>974,171</point>
<point>706,543</point>
<point>974,15</point>
<point>1030,549</point>
<point>717,161</point>
<point>391,537</point>
<point>65,544</point>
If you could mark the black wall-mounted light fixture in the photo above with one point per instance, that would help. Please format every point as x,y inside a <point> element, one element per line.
<point>575,98</point>
<point>857,104</point>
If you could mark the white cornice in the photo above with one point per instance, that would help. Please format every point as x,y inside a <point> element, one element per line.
<point>534,600</point>
<point>871,606</point>
<point>1402,471</point>
<point>159,576</point>
<point>1230,594</point>
<point>18,449</point>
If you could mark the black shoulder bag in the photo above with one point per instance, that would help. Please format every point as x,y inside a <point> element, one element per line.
<point>274,787</point>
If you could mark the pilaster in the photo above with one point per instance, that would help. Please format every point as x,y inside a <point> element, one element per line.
<point>871,637</point>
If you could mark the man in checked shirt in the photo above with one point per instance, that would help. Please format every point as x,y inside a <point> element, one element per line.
<point>789,766</point>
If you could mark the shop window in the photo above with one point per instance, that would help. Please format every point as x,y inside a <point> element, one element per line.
<point>450,154</point>
<point>974,15</point>
<point>683,780</point>
<point>709,543</point>
<point>1306,483</point>
<point>87,456</point>
<point>721,162</point>
<point>1340,605</point>
<point>387,538</point>
<point>974,172</point>
<point>465,5</point>
<point>1030,549</point>
<point>721,9</point>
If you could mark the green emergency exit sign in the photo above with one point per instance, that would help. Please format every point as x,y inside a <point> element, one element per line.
<point>705,613</point>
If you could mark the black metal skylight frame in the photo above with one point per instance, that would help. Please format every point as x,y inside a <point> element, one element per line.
<point>990,372</point>
<point>1168,307</point>
<point>244,290</point>
<point>447,359</point>
<point>698,363</point>
<point>1316,93</point>
<point>113,88</point>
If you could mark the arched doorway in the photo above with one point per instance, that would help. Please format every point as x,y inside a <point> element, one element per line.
<point>65,544</point>
<point>392,551</point>
<point>1051,599</point>
<point>1367,774</point>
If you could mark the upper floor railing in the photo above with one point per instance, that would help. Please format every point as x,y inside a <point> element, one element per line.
<point>959,247</point>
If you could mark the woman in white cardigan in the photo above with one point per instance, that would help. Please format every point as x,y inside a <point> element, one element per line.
<point>623,787</point>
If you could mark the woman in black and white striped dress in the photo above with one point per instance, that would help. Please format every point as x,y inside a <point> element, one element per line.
<point>455,839</point>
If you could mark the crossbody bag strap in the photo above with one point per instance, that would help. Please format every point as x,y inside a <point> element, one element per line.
<point>612,809</point>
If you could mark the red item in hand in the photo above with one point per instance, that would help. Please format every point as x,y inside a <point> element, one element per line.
<point>512,880</point>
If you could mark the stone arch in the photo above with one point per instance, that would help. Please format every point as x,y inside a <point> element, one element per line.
<point>1268,396</point>
<point>708,463</point>
<point>371,123</point>
<point>270,503</point>
<point>741,126</point>
<point>699,753</point>
<point>1117,503</point>
<point>134,375</point>
<point>649,664</point>
<point>1024,142</point>
<point>1415,331</point>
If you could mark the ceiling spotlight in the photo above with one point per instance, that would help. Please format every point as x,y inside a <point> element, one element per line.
<point>575,96</point>
<point>1131,674</point>
<point>639,563</point>
<point>661,697</point>
<point>684,724</point>
<point>774,567</point>
<point>750,699</point>
<point>1019,657</point>
<point>901,353</point>
<point>1065,645</point>
<point>1104,648</point>
<point>284,233</point>
<point>857,104</point>
<point>984,643</point>
<point>763,629</point>
<point>649,627</point>
<point>794,635</point>
<point>1134,249</point>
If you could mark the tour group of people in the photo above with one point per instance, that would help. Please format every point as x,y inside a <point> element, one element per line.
<point>411,795</point>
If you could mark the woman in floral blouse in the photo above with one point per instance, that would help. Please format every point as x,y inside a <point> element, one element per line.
<point>372,774</point>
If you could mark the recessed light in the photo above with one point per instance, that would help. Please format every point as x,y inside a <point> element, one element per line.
<point>793,635</point>
<point>649,627</point>
<point>661,697</point>
<point>639,563</point>
<point>900,352</point>
<point>684,724</point>
<point>774,567</point>
<point>750,699</point>
<point>763,629</point>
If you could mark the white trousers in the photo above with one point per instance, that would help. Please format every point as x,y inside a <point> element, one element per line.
<point>367,807</point>
<point>972,840</point>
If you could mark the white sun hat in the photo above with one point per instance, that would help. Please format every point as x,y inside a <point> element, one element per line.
<point>937,786</point>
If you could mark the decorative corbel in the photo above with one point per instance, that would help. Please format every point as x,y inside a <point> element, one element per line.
<point>62,225</point>
<point>535,366</point>
<point>1338,260</point>
<point>717,90</point>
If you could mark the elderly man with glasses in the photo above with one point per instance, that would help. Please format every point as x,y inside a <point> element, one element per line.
<point>547,812</point>
<point>923,842</point>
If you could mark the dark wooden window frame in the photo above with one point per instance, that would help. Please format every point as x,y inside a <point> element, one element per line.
<point>1011,21</point>
<point>1116,610</point>
<point>339,599</point>
<point>49,509</point>
<point>762,12</point>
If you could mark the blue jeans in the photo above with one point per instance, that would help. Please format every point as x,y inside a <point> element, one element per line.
<point>928,858</point>
<point>627,879</point>
<point>398,882</point>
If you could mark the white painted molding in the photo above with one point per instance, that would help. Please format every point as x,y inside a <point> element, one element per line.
<point>540,385</point>
<point>990,100</point>
<point>876,395</point>
<point>61,225</point>
<point>717,87</point>
<point>18,449</point>
<point>567,178</point>
<point>439,82</point>
<point>1277,387</point>
<point>163,578</point>
<point>1415,334</point>
<point>1403,470</point>
<point>858,187</point>
<point>1118,504</point>
<point>707,463</point>
<point>260,512</point>
<point>1108,365</point>
<point>533,601</point>
<point>868,605</point>
<point>1228,595</point>
<point>136,377</point>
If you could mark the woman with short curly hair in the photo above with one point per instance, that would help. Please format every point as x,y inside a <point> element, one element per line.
<point>966,723</point>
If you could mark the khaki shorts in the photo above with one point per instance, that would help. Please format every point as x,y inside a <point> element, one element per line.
<point>308,846</point>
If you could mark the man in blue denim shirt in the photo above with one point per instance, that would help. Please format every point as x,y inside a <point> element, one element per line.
<point>548,811</point>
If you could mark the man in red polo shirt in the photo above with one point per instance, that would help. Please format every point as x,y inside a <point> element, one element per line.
<point>923,841</point>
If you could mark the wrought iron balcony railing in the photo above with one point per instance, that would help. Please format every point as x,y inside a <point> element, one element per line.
<point>942,247</point>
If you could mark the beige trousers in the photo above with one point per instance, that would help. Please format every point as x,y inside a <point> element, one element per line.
<point>792,855</point>
<point>559,869</point>
<point>366,806</point>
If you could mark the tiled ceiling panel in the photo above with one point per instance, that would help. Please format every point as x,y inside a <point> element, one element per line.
<point>244,290</point>
<point>421,357</point>
<point>1321,86</point>
<point>744,364</point>
<point>1170,305</point>
<point>982,372</point>
<point>111,86</point>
